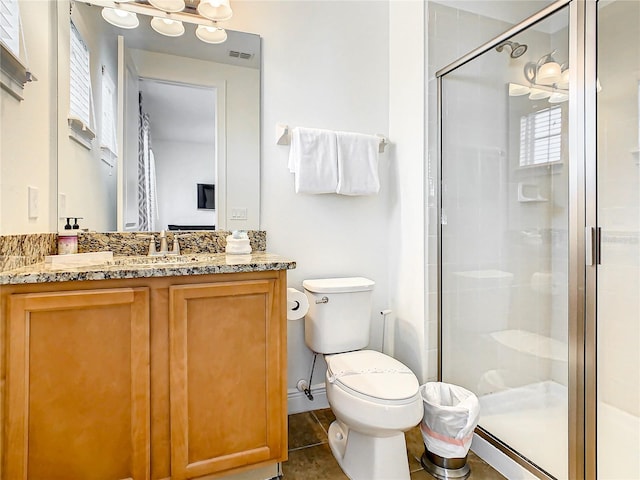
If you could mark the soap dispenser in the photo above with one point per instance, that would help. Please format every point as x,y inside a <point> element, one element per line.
<point>68,239</point>
<point>238,243</point>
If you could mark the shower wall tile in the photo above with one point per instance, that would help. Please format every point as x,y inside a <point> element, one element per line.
<point>432,365</point>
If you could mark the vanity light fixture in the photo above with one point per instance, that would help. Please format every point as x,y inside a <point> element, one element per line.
<point>168,5</point>
<point>548,70</point>
<point>516,90</point>
<point>169,16</point>
<point>217,10</point>
<point>168,27</point>
<point>210,34</point>
<point>558,97</point>
<point>120,18</point>
<point>547,79</point>
<point>538,94</point>
<point>564,79</point>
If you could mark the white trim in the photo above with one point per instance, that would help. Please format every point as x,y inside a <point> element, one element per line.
<point>297,401</point>
<point>499,461</point>
<point>13,73</point>
<point>80,132</point>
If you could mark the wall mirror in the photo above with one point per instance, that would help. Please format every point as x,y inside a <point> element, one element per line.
<point>160,116</point>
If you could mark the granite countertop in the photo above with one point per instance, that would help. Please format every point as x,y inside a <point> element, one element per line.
<point>144,267</point>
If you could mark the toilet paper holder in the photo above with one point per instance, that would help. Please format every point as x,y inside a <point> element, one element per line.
<point>293,305</point>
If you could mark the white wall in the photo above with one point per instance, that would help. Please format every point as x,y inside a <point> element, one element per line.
<point>327,65</point>
<point>28,123</point>
<point>176,185</point>
<point>407,207</point>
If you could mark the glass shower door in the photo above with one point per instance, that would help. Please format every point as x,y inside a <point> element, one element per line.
<point>504,239</point>
<point>618,211</point>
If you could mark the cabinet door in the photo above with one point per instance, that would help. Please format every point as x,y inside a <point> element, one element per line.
<point>226,377</point>
<point>78,385</point>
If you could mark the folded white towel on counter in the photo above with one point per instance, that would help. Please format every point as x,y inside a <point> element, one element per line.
<point>357,164</point>
<point>313,160</point>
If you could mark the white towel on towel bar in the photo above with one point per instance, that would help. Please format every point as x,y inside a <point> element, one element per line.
<point>313,160</point>
<point>357,164</point>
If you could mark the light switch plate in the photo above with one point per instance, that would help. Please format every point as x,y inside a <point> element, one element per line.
<point>239,213</point>
<point>33,202</point>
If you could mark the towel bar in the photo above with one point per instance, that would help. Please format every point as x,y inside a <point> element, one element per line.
<point>283,137</point>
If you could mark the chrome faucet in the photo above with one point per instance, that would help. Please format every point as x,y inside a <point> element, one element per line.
<point>176,244</point>
<point>164,249</point>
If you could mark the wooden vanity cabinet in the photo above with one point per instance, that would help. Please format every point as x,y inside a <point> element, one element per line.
<point>159,378</point>
<point>77,398</point>
<point>226,408</point>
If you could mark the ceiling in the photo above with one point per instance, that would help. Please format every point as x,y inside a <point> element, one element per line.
<point>179,113</point>
<point>510,11</point>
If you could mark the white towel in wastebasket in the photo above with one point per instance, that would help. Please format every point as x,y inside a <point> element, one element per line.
<point>451,414</point>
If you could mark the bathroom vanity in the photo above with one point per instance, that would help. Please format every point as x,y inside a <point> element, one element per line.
<point>144,371</point>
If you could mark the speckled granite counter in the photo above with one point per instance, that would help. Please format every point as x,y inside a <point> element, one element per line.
<point>144,267</point>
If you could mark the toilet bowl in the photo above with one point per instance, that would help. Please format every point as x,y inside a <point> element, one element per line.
<point>375,400</point>
<point>374,397</point>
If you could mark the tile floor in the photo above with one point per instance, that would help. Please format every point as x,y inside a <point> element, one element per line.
<point>310,457</point>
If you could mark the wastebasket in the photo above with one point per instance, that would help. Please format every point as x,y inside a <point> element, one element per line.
<point>450,415</point>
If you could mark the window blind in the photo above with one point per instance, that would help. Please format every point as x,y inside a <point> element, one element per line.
<point>80,79</point>
<point>108,127</point>
<point>541,136</point>
<point>10,25</point>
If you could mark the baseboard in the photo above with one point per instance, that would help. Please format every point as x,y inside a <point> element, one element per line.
<point>297,401</point>
<point>499,461</point>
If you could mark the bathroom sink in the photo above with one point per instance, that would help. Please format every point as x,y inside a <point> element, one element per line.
<point>163,260</point>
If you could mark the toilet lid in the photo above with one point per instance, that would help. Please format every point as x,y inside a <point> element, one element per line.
<point>372,374</point>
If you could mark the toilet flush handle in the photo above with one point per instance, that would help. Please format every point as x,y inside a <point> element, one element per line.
<point>323,300</point>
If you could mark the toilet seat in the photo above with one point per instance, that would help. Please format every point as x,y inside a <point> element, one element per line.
<point>373,376</point>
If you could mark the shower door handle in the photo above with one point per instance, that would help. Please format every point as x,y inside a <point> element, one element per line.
<point>592,245</point>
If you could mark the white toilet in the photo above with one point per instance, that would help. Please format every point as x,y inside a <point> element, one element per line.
<point>374,397</point>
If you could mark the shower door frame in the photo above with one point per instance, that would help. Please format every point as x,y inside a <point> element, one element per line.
<point>582,233</point>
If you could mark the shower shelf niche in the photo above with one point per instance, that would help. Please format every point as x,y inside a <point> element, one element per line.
<point>532,344</point>
<point>528,192</point>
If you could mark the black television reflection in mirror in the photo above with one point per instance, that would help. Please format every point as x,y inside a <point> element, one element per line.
<point>206,196</point>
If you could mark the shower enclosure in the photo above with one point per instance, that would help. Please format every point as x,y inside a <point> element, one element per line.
<point>539,251</point>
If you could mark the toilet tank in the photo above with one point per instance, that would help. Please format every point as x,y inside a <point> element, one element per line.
<point>339,316</point>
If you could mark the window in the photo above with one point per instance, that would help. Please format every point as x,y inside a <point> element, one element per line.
<point>80,92</point>
<point>10,25</point>
<point>108,141</point>
<point>541,137</point>
<point>13,73</point>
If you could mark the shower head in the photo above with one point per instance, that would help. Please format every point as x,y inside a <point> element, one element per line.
<point>517,49</point>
